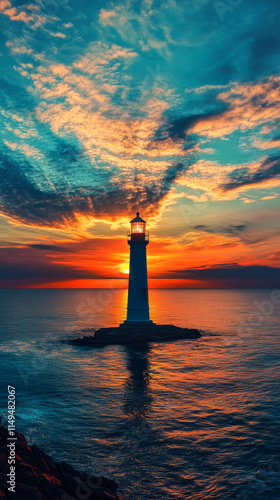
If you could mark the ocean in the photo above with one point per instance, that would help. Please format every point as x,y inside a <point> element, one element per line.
<point>189,420</point>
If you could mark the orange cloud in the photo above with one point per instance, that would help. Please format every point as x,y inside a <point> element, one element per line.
<point>105,130</point>
<point>212,178</point>
<point>249,105</point>
<point>18,14</point>
<point>275,143</point>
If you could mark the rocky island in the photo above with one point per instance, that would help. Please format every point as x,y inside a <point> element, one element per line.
<point>138,333</point>
<point>38,477</point>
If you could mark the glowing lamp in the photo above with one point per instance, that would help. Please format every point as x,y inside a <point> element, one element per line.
<point>137,228</point>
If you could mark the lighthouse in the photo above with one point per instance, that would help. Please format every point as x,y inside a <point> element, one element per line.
<point>138,299</point>
<point>137,328</point>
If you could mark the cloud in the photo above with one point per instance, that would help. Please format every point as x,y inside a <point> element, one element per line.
<point>243,106</point>
<point>269,170</point>
<point>21,272</point>
<point>249,105</point>
<point>19,14</point>
<point>105,128</point>
<point>177,128</point>
<point>52,248</point>
<point>106,16</point>
<point>100,57</point>
<point>228,182</point>
<point>263,48</point>
<point>273,143</point>
<point>19,49</point>
<point>271,197</point>
<point>14,98</point>
<point>26,201</point>
<point>141,27</point>
<point>232,276</point>
<point>86,107</point>
<point>116,149</point>
<point>57,35</point>
<point>26,149</point>
<point>42,263</point>
<point>123,159</point>
<point>232,229</point>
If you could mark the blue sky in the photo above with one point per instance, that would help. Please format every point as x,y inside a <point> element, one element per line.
<point>168,107</point>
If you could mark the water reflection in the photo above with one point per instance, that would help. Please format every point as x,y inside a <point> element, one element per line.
<point>137,401</point>
<point>158,420</point>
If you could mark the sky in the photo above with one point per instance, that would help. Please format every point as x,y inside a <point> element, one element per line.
<point>168,107</point>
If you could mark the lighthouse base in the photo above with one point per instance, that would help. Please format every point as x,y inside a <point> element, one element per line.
<point>128,323</point>
<point>135,333</point>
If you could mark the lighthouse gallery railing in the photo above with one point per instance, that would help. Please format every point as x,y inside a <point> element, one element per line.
<point>138,236</point>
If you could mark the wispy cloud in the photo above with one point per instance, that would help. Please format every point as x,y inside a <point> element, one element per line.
<point>241,107</point>
<point>230,181</point>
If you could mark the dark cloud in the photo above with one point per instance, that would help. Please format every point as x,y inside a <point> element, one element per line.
<point>54,248</point>
<point>262,49</point>
<point>232,229</point>
<point>65,154</point>
<point>177,128</point>
<point>172,174</point>
<point>233,276</point>
<point>25,200</point>
<point>31,265</point>
<point>269,169</point>
<point>237,227</point>
<point>227,70</point>
<point>14,97</point>
<point>39,271</point>
<point>247,44</point>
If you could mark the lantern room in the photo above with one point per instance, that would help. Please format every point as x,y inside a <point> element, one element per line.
<point>138,225</point>
<point>138,229</point>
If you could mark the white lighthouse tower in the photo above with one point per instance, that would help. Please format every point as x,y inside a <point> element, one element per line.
<point>138,300</point>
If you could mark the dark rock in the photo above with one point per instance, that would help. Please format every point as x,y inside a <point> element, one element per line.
<point>38,477</point>
<point>127,334</point>
<point>65,467</point>
<point>44,463</point>
<point>69,482</point>
<point>26,474</point>
<point>51,486</point>
<point>98,481</point>
<point>3,432</point>
<point>3,488</point>
<point>3,464</point>
<point>24,492</point>
<point>110,484</point>
<point>103,494</point>
<point>23,446</point>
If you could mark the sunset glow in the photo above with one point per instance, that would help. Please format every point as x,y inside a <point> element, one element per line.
<point>147,108</point>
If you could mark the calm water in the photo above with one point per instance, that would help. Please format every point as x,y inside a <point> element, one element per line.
<point>191,420</point>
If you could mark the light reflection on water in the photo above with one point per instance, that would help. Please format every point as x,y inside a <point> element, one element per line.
<point>184,420</point>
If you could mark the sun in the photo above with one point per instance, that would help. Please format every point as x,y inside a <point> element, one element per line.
<point>124,269</point>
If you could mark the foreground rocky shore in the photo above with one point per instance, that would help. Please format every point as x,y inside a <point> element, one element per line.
<point>38,477</point>
<point>127,334</point>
